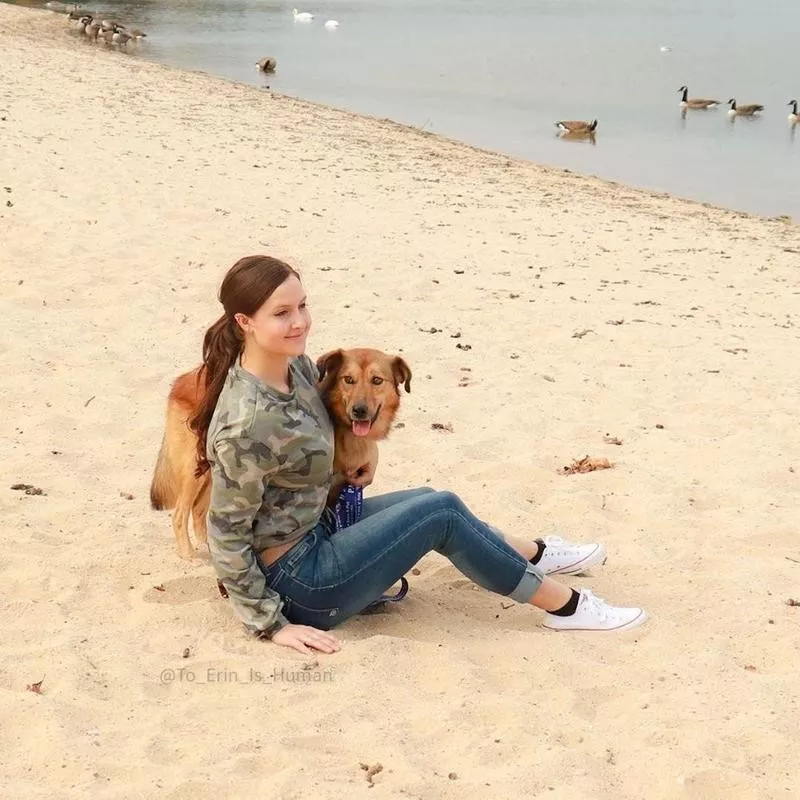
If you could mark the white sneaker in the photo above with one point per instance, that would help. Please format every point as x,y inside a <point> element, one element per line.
<point>594,614</point>
<point>561,557</point>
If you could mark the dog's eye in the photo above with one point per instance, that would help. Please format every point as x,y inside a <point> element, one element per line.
<point>377,380</point>
<point>349,380</point>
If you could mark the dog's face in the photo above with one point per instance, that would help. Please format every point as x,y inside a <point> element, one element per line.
<point>361,389</point>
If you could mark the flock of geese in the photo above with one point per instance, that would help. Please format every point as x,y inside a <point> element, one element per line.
<point>578,128</point>
<point>113,33</point>
<point>108,31</point>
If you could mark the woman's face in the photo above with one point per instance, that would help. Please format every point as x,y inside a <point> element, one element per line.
<point>281,325</point>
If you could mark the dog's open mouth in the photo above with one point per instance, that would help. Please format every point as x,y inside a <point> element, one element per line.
<point>362,427</point>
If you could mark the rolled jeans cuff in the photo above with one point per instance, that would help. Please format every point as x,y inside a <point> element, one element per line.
<point>529,584</point>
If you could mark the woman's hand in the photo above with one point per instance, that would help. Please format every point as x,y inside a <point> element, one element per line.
<point>306,639</point>
<point>362,476</point>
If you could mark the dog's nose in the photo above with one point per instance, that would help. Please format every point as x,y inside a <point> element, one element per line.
<point>359,411</point>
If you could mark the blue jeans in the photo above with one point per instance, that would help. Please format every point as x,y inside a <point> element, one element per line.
<point>328,577</point>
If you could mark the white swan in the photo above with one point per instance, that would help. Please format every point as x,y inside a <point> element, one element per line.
<point>302,16</point>
<point>331,24</point>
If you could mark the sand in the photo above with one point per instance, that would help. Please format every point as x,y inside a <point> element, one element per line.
<point>539,310</point>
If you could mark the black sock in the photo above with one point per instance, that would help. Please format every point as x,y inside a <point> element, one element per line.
<point>538,557</point>
<point>570,607</point>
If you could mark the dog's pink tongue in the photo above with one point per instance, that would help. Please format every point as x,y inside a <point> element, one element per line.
<point>361,428</point>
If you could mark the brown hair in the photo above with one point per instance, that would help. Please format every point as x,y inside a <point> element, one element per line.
<point>247,285</point>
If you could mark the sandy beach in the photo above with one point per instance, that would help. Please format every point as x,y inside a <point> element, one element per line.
<point>540,311</point>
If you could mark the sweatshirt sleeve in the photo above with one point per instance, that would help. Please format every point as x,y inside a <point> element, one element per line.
<point>241,465</point>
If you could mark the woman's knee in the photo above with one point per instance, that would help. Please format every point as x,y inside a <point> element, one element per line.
<point>446,501</point>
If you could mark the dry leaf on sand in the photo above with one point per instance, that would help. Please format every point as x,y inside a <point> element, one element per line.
<point>371,771</point>
<point>586,464</point>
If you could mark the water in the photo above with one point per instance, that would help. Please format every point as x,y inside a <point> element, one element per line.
<point>497,74</point>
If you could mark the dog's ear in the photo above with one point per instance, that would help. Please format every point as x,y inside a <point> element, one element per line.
<point>328,366</point>
<point>402,373</point>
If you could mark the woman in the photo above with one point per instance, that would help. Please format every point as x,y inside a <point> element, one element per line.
<point>267,439</point>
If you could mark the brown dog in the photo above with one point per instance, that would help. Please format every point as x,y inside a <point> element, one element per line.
<point>359,387</point>
<point>361,390</point>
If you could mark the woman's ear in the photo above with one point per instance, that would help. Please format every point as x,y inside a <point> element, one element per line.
<point>242,322</point>
<point>328,366</point>
<point>402,373</point>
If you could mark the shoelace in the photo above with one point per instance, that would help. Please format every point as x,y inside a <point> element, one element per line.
<point>559,547</point>
<point>596,604</point>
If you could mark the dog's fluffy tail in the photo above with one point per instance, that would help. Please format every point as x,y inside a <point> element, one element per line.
<point>163,491</point>
<point>177,459</point>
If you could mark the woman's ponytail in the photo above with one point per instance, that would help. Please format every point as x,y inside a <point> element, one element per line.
<point>221,347</point>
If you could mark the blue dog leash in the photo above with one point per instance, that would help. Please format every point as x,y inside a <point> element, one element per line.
<point>348,506</point>
<point>348,511</point>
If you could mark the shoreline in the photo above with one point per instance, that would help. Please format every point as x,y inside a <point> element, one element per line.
<point>543,315</point>
<point>70,42</point>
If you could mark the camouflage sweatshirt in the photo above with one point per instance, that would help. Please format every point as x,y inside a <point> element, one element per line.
<point>271,456</point>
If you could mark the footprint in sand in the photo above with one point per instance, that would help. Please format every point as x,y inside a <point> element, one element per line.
<point>715,784</point>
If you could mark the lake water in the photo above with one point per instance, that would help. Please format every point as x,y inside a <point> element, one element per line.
<point>497,74</point>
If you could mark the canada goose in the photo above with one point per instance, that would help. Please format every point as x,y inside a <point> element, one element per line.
<point>695,102</point>
<point>137,34</point>
<point>794,117</point>
<point>576,126</point>
<point>92,29</point>
<point>743,111</point>
<point>331,24</point>
<point>302,16</point>
<point>120,38</point>
<point>267,64</point>
<point>83,22</point>
<point>115,35</point>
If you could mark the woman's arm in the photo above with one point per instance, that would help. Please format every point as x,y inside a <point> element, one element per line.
<point>237,491</point>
